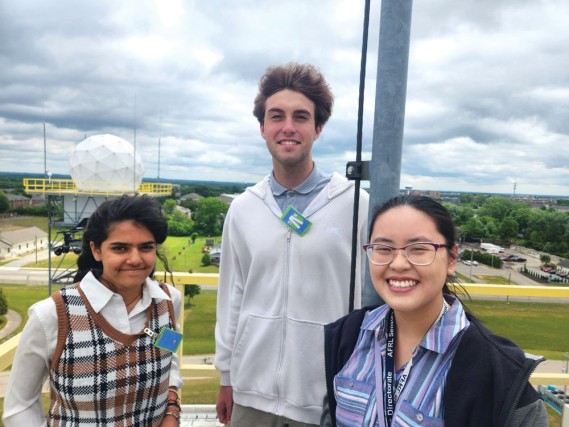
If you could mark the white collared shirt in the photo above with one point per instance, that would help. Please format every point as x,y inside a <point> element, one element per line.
<point>23,403</point>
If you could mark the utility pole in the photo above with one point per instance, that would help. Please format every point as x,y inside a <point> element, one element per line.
<point>389,118</point>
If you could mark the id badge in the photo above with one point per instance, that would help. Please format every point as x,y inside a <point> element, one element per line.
<point>296,221</point>
<point>167,339</point>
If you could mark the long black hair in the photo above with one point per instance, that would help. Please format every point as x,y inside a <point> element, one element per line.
<point>141,209</point>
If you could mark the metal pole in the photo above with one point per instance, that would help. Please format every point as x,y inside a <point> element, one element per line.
<point>134,149</point>
<point>49,242</point>
<point>389,118</point>
<point>349,169</point>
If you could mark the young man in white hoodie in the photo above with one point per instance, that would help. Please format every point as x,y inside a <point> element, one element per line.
<point>285,263</point>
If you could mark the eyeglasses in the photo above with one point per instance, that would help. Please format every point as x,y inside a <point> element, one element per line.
<point>420,253</point>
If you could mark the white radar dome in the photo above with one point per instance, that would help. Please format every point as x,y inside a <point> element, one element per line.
<point>106,163</point>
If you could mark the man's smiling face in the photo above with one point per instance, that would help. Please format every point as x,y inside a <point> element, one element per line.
<point>289,129</point>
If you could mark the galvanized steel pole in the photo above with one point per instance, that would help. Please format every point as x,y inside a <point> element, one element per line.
<point>389,118</point>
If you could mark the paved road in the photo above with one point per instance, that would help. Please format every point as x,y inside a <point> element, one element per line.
<point>12,272</point>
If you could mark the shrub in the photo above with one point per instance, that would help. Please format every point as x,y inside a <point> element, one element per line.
<point>206,260</point>
<point>191,291</point>
<point>3,304</point>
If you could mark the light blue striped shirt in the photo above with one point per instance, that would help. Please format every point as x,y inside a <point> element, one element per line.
<point>420,402</point>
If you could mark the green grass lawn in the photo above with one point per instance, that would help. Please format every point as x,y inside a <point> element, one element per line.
<point>199,323</point>
<point>186,256</point>
<point>25,221</point>
<point>538,328</point>
<point>495,280</point>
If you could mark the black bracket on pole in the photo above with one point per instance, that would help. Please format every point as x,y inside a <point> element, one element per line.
<point>358,170</point>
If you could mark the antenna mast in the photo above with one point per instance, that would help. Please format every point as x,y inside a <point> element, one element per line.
<point>134,156</point>
<point>159,140</point>
<point>44,142</point>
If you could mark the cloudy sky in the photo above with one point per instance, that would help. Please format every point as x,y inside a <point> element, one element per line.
<point>487,95</point>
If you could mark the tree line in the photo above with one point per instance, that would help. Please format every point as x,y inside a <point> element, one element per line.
<point>491,218</point>
<point>497,218</point>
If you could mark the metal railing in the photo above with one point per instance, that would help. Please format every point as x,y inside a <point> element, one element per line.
<point>8,348</point>
<point>67,186</point>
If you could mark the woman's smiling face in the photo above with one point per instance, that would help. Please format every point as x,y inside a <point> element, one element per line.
<point>403,286</point>
<point>128,255</point>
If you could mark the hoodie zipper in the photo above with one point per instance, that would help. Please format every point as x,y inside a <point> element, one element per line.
<point>521,390</point>
<point>284,323</point>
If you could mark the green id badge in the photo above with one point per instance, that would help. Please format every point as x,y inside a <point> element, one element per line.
<point>295,221</point>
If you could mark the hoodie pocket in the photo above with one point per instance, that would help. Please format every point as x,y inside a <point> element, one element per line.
<point>255,358</point>
<point>302,380</point>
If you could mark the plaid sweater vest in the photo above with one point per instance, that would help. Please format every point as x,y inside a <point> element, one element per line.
<point>102,377</point>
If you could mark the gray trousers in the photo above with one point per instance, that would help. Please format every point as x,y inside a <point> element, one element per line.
<point>243,416</point>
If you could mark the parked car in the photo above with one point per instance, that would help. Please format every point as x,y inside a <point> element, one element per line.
<point>215,254</point>
<point>215,258</point>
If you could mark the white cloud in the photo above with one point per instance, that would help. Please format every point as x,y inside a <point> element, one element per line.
<point>487,99</point>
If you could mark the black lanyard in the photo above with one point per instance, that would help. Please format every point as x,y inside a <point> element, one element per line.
<point>392,391</point>
<point>389,391</point>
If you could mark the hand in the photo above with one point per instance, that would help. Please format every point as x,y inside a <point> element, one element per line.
<point>224,405</point>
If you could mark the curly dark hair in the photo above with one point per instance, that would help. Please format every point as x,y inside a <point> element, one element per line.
<point>303,78</point>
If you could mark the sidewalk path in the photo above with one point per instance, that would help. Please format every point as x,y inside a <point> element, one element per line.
<point>26,259</point>
<point>14,320</point>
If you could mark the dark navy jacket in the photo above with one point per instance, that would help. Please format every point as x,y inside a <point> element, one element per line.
<point>486,384</point>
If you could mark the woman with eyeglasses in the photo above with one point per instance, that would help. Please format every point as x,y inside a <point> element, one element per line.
<point>422,359</point>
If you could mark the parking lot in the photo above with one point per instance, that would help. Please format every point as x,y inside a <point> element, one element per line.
<point>511,269</point>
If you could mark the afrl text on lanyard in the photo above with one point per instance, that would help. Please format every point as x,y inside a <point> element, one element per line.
<point>392,395</point>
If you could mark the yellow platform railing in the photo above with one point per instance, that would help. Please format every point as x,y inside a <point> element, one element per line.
<point>8,348</point>
<point>67,186</point>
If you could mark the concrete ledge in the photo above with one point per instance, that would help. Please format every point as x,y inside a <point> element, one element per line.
<point>8,351</point>
<point>199,416</point>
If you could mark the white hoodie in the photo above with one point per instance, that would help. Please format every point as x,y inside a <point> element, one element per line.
<point>276,292</point>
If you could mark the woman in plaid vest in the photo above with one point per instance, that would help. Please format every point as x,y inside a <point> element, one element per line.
<point>106,343</point>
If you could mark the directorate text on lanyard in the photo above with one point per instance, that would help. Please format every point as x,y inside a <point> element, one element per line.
<point>390,394</point>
